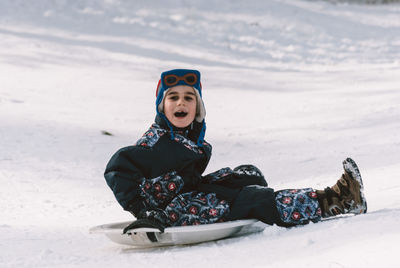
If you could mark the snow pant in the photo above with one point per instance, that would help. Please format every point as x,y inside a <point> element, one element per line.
<point>285,207</point>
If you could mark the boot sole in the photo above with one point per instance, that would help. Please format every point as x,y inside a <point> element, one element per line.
<point>351,167</point>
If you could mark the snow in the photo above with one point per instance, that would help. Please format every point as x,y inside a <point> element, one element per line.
<point>291,86</point>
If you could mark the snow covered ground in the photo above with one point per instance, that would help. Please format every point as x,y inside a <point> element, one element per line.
<point>291,86</point>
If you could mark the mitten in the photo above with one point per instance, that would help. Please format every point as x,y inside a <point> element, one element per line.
<point>158,192</point>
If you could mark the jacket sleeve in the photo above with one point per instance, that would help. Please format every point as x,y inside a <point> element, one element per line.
<point>124,177</point>
<point>133,190</point>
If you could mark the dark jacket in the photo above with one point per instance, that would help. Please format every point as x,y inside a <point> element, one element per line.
<point>153,156</point>
<point>162,165</point>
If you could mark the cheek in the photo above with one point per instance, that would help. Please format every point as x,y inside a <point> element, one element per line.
<point>167,107</point>
<point>193,108</point>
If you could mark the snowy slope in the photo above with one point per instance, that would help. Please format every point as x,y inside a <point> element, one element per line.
<point>291,86</point>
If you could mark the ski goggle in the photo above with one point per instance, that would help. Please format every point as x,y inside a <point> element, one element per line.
<point>171,80</point>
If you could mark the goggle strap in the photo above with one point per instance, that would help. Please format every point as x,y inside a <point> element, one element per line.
<point>158,87</point>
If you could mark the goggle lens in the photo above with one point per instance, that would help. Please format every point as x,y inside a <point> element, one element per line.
<point>170,80</point>
<point>191,79</point>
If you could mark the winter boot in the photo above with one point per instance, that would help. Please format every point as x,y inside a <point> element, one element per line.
<point>346,196</point>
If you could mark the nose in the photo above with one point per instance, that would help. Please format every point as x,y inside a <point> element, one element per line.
<point>181,101</point>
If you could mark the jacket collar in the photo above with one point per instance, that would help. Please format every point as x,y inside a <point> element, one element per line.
<point>192,131</point>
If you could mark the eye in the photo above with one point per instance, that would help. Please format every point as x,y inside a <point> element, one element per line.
<point>173,97</point>
<point>188,98</point>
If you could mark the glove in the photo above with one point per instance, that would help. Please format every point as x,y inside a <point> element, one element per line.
<point>143,223</point>
<point>151,219</point>
<point>237,178</point>
<point>249,174</point>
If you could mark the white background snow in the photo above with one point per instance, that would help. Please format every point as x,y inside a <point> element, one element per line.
<point>291,86</point>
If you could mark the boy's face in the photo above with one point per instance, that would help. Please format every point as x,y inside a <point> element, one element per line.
<point>180,105</point>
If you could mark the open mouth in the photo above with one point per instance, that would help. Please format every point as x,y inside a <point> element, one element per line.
<point>180,114</point>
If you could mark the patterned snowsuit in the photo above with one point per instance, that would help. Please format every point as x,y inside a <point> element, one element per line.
<point>161,177</point>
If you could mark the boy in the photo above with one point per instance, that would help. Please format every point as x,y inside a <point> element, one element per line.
<point>159,180</point>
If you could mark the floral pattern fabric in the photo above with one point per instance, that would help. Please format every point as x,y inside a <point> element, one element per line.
<point>159,191</point>
<point>151,136</point>
<point>155,132</point>
<point>217,175</point>
<point>298,206</point>
<point>194,208</point>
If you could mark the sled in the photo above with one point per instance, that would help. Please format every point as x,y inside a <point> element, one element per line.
<point>183,235</point>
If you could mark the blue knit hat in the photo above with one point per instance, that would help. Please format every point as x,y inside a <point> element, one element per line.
<point>187,78</point>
